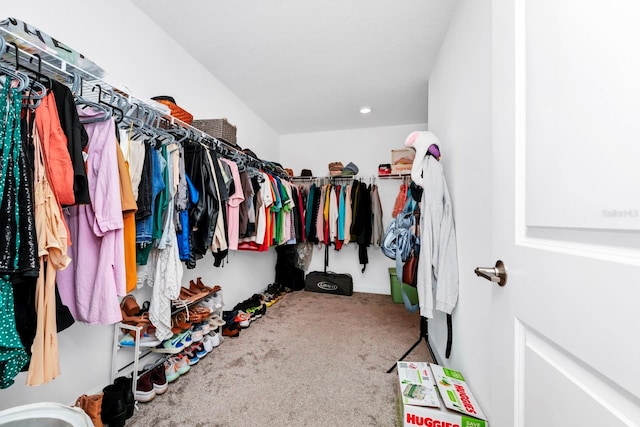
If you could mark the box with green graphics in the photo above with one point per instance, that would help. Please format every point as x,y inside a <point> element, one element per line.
<point>455,392</point>
<point>413,409</point>
<point>416,384</point>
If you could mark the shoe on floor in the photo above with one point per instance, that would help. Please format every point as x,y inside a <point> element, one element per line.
<point>231,330</point>
<point>215,339</point>
<point>158,378</point>
<point>145,392</point>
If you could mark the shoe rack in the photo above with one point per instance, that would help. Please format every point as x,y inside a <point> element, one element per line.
<point>141,352</point>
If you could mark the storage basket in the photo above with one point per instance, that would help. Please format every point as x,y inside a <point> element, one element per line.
<point>218,128</point>
<point>176,111</point>
<point>396,289</point>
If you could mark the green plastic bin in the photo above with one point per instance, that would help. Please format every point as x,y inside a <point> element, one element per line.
<point>396,290</point>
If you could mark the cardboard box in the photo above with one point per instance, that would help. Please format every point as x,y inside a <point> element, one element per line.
<point>416,384</point>
<point>455,392</point>
<point>403,156</point>
<point>417,408</point>
<point>402,160</point>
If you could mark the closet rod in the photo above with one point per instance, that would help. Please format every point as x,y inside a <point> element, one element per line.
<point>94,89</point>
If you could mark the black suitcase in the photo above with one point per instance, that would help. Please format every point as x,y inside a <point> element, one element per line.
<point>328,282</point>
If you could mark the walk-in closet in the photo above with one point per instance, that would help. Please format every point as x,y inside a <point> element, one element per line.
<point>319,213</point>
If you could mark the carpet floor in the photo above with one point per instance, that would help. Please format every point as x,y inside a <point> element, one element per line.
<point>313,360</point>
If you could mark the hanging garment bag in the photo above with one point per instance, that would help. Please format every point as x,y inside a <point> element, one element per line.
<point>328,282</point>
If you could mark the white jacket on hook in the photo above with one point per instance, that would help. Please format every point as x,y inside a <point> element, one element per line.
<point>437,282</point>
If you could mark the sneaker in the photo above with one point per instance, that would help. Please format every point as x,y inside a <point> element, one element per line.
<point>200,350</point>
<point>158,378</point>
<point>191,355</point>
<point>208,303</point>
<point>146,340</point>
<point>243,319</point>
<point>197,333</point>
<point>218,303</point>
<point>170,370</point>
<point>207,343</point>
<point>181,363</point>
<point>175,344</point>
<point>145,391</point>
<point>215,339</point>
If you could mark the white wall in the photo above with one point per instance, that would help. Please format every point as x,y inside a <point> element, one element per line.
<point>138,54</point>
<point>367,148</point>
<point>460,115</point>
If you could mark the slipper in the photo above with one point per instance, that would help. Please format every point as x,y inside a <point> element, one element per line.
<point>215,321</point>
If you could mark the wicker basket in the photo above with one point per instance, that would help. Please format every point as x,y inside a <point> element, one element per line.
<point>218,128</point>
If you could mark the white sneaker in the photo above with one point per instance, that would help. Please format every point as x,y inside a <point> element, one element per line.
<point>215,339</point>
<point>207,341</point>
<point>217,300</point>
<point>208,302</point>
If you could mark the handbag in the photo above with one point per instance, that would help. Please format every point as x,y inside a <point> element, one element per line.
<point>410,270</point>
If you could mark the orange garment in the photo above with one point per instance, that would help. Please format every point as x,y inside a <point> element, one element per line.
<point>401,199</point>
<point>55,152</point>
<point>129,208</point>
<point>52,249</point>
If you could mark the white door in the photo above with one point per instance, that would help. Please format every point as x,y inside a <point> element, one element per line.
<point>566,200</point>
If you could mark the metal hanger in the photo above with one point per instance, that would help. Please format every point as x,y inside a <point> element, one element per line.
<point>15,75</point>
<point>79,100</point>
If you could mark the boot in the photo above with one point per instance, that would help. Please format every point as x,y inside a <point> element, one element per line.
<point>127,393</point>
<point>92,406</point>
<point>114,409</point>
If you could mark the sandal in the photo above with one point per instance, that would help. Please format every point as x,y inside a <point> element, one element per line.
<point>181,320</point>
<point>129,306</point>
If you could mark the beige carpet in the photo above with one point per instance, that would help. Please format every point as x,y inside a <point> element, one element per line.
<point>313,360</point>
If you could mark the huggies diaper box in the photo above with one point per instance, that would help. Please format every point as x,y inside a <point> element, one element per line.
<point>434,396</point>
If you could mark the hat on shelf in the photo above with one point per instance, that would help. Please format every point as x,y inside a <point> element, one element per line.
<point>350,170</point>
<point>289,171</point>
<point>306,172</point>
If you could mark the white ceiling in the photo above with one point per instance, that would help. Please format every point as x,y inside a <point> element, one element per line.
<point>309,65</point>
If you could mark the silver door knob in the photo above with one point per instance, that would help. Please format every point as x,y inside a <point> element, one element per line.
<point>496,274</point>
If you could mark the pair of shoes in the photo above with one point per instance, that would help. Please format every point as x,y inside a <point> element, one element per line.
<point>211,341</point>
<point>175,344</point>
<point>238,317</point>
<point>254,301</point>
<point>215,321</point>
<point>231,330</point>
<point>151,383</point>
<point>180,321</point>
<point>243,319</point>
<point>170,371</point>
<point>197,333</point>
<point>147,338</point>
<point>257,312</point>
<point>191,355</point>
<point>199,286</point>
<point>176,366</point>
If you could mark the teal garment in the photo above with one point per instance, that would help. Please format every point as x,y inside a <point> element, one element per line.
<point>12,353</point>
<point>13,356</point>
<point>341,212</point>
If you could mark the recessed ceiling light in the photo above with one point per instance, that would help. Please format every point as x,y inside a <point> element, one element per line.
<point>365,110</point>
